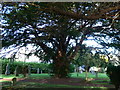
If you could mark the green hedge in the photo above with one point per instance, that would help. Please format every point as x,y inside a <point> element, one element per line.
<point>20,64</point>
<point>46,68</point>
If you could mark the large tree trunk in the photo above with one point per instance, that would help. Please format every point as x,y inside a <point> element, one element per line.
<point>61,66</point>
<point>86,75</point>
<point>25,71</point>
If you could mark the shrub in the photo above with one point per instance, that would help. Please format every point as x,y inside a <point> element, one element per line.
<point>113,73</point>
<point>71,68</point>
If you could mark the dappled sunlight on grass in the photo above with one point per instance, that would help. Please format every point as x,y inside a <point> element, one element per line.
<point>11,76</point>
<point>39,76</point>
<point>42,81</point>
<point>82,75</point>
<point>39,85</point>
<point>7,76</point>
<point>5,81</point>
<point>105,82</point>
<point>45,75</point>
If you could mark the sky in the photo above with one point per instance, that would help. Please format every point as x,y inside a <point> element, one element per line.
<point>21,57</point>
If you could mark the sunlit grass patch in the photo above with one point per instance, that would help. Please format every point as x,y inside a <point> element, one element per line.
<point>90,75</point>
<point>105,82</point>
<point>39,76</point>
<point>4,81</point>
<point>46,75</point>
<point>11,76</point>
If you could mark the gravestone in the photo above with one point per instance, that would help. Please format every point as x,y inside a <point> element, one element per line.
<point>41,71</point>
<point>38,70</point>
<point>29,70</point>
<point>25,71</point>
<point>7,72</point>
<point>16,72</point>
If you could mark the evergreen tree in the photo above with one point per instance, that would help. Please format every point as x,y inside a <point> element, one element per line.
<point>51,27</point>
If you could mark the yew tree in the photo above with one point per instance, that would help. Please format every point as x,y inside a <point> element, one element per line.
<point>51,27</point>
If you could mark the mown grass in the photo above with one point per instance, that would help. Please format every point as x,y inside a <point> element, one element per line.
<point>45,75</point>
<point>11,76</point>
<point>102,76</point>
<point>21,76</point>
<point>39,85</point>
<point>39,76</point>
<point>82,75</point>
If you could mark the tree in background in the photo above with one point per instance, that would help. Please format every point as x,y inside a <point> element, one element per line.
<point>51,27</point>
<point>87,58</point>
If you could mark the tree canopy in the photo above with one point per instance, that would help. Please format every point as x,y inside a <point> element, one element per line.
<point>52,26</point>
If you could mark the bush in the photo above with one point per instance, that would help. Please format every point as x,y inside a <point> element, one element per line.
<point>71,68</point>
<point>113,73</point>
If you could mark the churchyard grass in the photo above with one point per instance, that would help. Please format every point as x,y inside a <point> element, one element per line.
<point>102,76</point>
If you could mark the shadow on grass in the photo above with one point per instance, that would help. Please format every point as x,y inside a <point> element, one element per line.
<point>39,86</point>
<point>58,88</point>
<point>103,79</point>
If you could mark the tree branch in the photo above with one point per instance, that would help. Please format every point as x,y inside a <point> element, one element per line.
<point>94,16</point>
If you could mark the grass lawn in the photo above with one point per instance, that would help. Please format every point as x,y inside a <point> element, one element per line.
<point>102,80</point>
<point>39,76</point>
<point>45,75</point>
<point>82,75</point>
<point>10,76</point>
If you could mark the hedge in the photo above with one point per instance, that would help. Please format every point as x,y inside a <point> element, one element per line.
<point>46,68</point>
<point>20,64</point>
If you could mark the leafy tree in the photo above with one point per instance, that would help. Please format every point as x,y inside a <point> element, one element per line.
<point>84,57</point>
<point>87,58</point>
<point>51,27</point>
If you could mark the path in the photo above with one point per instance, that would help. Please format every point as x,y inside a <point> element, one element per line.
<point>10,79</point>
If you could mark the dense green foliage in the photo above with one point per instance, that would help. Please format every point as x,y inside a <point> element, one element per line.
<point>114,74</point>
<point>51,27</point>
<point>13,65</point>
<point>46,68</point>
<point>86,57</point>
